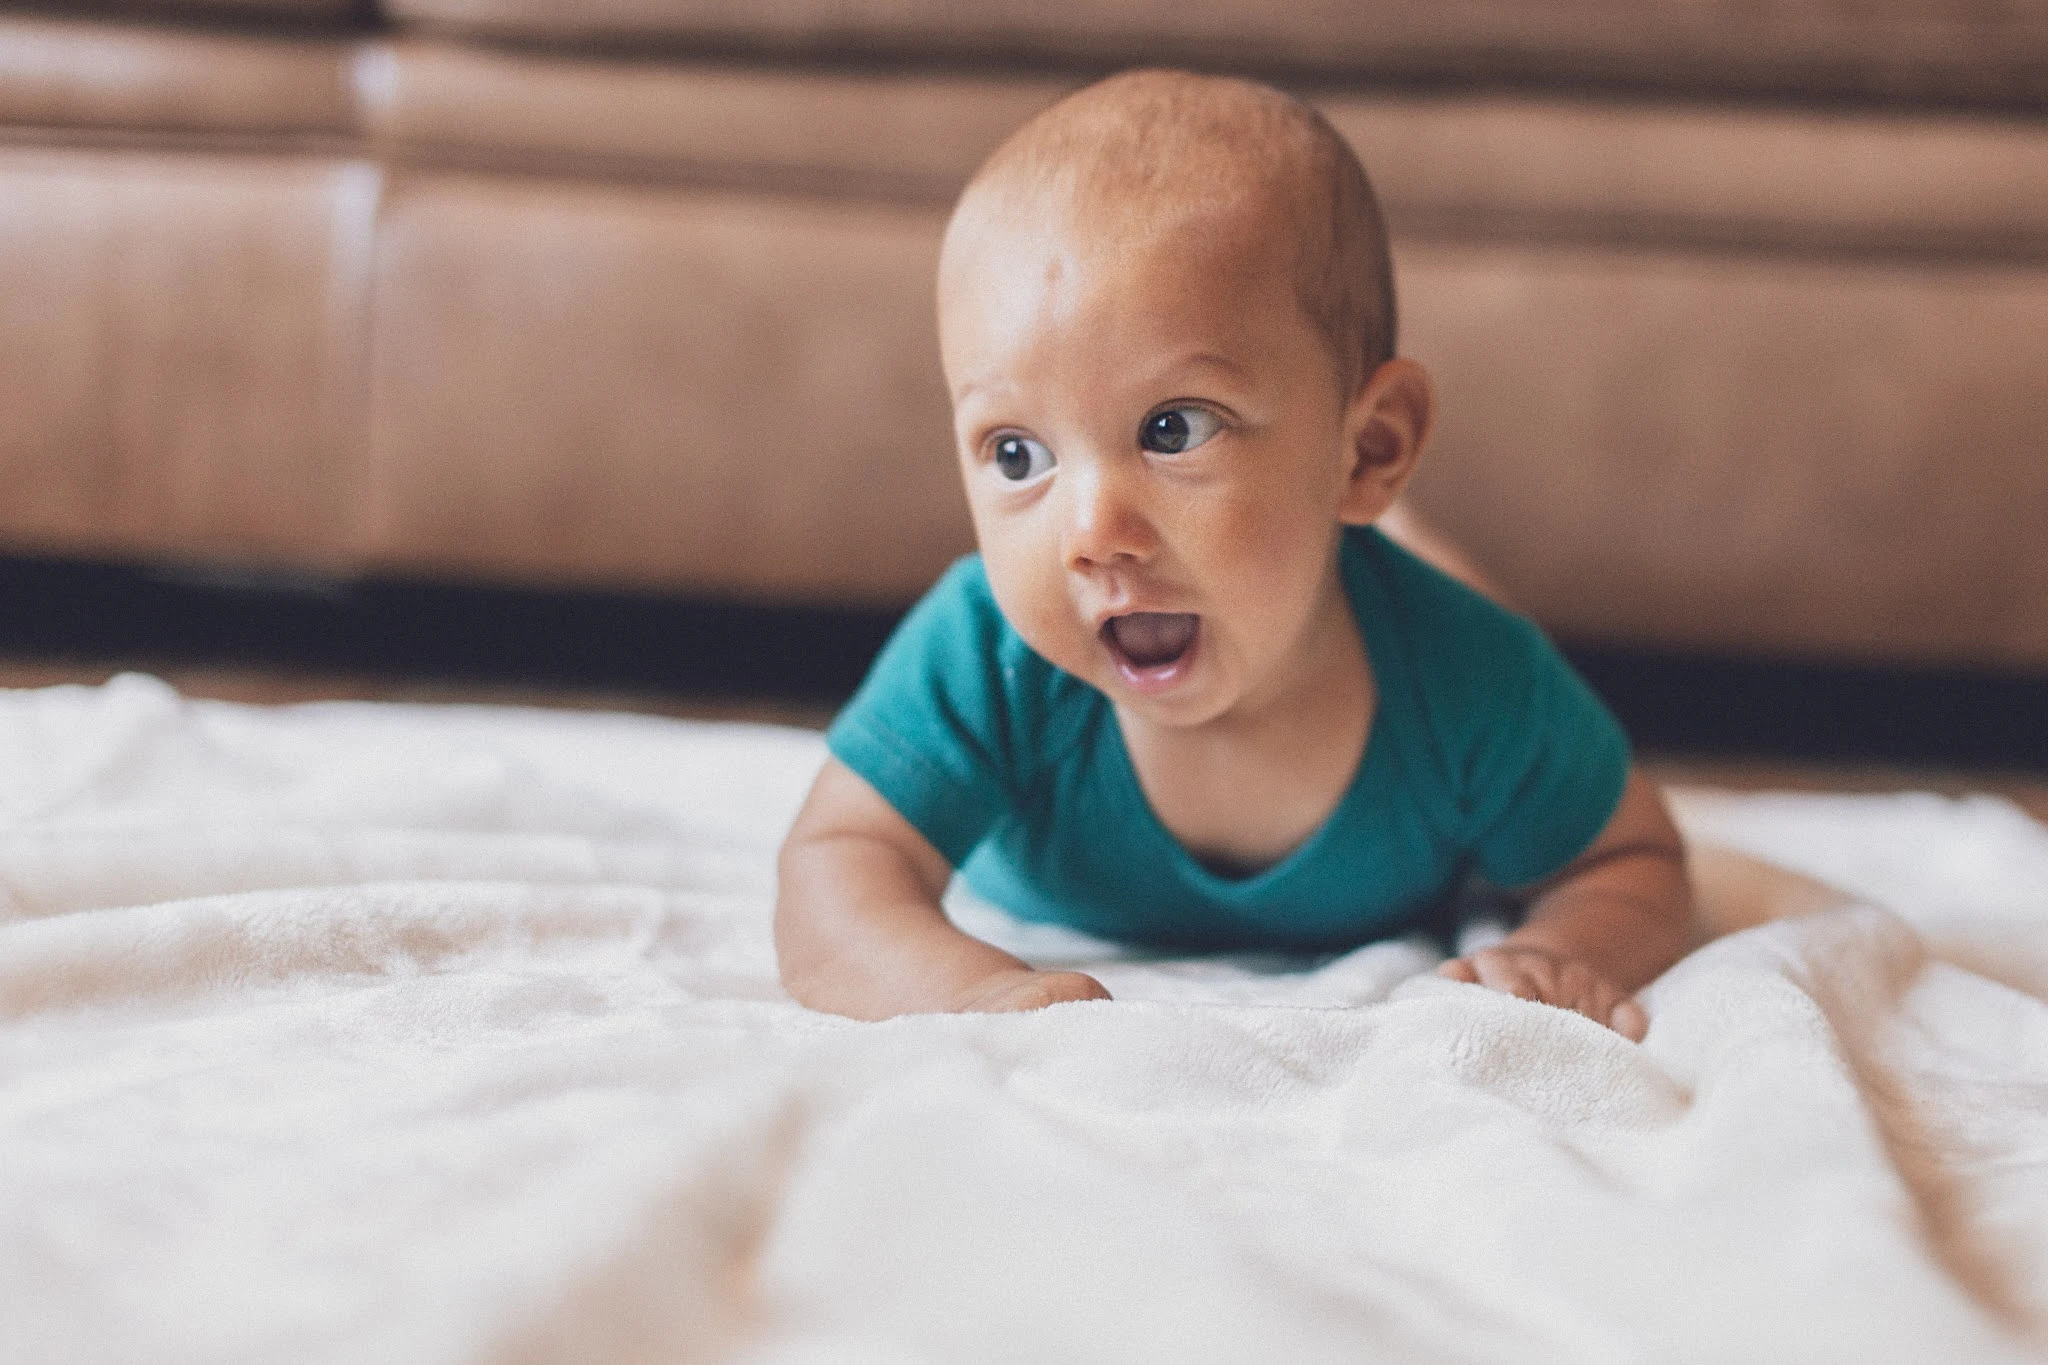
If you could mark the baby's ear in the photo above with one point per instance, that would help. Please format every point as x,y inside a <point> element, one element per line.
<point>1385,428</point>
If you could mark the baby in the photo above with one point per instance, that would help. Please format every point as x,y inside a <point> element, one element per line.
<point>1188,695</point>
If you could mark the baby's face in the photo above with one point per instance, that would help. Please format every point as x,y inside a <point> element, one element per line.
<point>1155,451</point>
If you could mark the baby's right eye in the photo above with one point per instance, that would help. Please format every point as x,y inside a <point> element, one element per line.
<point>1021,459</point>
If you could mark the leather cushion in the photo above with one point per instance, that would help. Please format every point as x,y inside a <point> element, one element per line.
<point>1446,165</point>
<point>70,73</point>
<point>708,392</point>
<point>1766,454</point>
<point>182,345</point>
<point>315,11</point>
<point>1457,165</point>
<point>1913,49</point>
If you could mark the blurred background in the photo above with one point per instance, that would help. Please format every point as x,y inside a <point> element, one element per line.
<point>584,354</point>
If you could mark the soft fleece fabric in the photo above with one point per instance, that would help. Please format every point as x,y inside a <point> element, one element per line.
<point>359,1033</point>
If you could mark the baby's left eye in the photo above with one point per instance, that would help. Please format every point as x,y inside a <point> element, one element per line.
<point>1178,429</point>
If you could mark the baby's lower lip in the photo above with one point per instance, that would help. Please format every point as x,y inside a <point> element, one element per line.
<point>1152,679</point>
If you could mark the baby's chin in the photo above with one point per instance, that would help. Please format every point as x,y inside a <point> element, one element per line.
<point>1191,710</point>
<point>1183,693</point>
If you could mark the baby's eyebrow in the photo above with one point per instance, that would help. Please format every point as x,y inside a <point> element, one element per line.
<point>972,388</point>
<point>1204,360</point>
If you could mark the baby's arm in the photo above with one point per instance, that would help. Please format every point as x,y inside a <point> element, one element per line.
<point>858,928</point>
<point>1606,925</point>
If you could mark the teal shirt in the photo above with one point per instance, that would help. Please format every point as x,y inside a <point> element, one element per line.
<point>1486,752</point>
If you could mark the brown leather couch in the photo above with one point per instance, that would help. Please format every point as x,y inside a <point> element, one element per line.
<point>1739,313</point>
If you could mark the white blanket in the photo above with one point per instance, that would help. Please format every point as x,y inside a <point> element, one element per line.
<point>377,1033</point>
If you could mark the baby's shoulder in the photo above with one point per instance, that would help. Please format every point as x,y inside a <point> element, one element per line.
<point>1470,661</point>
<point>1442,624</point>
<point>1531,760</point>
<point>959,652</point>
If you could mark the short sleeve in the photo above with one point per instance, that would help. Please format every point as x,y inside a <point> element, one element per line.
<point>930,728</point>
<point>1545,761</point>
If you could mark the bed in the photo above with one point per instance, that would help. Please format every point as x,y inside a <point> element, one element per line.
<point>359,1031</point>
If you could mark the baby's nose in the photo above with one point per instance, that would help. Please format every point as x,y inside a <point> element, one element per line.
<point>1106,517</point>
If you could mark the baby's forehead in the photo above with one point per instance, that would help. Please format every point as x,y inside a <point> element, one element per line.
<point>1101,211</point>
<point>1162,259</point>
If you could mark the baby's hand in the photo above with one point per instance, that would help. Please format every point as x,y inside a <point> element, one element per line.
<point>1534,974</point>
<point>1025,989</point>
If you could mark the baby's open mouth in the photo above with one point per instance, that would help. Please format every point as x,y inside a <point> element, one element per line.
<point>1149,640</point>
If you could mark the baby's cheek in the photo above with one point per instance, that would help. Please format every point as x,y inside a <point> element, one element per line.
<point>1276,558</point>
<point>1055,636</point>
<point>1037,608</point>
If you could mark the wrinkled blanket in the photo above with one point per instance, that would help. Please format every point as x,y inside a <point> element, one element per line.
<point>356,1032</point>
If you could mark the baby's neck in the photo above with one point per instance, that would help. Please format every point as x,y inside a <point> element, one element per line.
<point>1244,790</point>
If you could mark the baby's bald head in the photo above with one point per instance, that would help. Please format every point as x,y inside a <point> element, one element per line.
<point>1148,158</point>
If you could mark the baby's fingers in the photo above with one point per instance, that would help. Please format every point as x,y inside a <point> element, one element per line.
<point>1023,989</point>
<point>1601,1001</point>
<point>1058,987</point>
<point>1629,1020</point>
<point>1571,985</point>
<point>1531,976</point>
